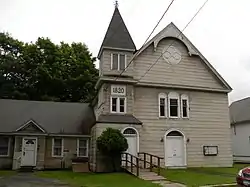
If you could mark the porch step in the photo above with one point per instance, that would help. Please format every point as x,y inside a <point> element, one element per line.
<point>26,169</point>
<point>150,176</point>
<point>146,174</point>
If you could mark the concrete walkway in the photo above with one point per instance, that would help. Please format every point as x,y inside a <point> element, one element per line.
<point>29,180</point>
<point>145,174</point>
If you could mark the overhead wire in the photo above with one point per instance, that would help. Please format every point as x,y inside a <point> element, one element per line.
<point>149,35</point>
<point>152,65</point>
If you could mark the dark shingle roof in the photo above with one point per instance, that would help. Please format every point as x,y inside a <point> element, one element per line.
<point>240,111</point>
<point>54,117</point>
<point>115,118</point>
<point>117,35</point>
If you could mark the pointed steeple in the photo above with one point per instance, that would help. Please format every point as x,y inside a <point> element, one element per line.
<point>117,35</point>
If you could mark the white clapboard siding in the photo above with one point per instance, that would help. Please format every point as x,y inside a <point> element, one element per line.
<point>190,71</point>
<point>208,125</point>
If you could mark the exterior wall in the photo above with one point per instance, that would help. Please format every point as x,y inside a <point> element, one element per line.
<point>6,161</point>
<point>41,149</point>
<point>191,71</point>
<point>100,127</point>
<point>105,63</point>
<point>208,124</point>
<point>104,99</point>
<point>93,149</point>
<point>70,145</point>
<point>241,142</point>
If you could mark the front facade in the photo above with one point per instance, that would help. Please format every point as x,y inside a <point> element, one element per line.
<point>166,99</point>
<point>240,128</point>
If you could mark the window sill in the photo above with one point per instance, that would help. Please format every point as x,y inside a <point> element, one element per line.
<point>118,112</point>
<point>172,117</point>
<point>4,156</point>
<point>54,156</point>
<point>163,117</point>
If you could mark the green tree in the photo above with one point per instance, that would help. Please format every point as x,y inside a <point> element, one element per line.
<point>46,71</point>
<point>112,143</point>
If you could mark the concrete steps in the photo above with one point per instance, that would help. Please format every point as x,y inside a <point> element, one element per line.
<point>150,176</point>
<point>146,174</point>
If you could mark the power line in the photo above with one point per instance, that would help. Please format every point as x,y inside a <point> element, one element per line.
<point>158,22</point>
<point>148,36</point>
<point>174,41</point>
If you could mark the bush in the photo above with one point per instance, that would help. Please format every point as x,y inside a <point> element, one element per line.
<point>112,143</point>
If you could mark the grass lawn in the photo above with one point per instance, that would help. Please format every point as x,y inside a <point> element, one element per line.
<point>202,176</point>
<point>96,180</point>
<point>6,173</point>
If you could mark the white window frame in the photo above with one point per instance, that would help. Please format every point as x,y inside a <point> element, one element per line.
<point>53,143</point>
<point>162,96</point>
<point>8,152</point>
<point>184,97</point>
<point>118,104</point>
<point>118,65</point>
<point>173,95</point>
<point>78,147</point>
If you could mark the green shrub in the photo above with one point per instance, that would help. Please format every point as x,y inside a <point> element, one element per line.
<point>112,143</point>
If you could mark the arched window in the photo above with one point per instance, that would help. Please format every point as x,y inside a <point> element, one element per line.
<point>129,131</point>
<point>174,133</point>
<point>173,105</point>
<point>184,106</point>
<point>162,100</point>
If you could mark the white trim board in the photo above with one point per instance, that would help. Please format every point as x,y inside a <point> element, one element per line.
<point>28,123</point>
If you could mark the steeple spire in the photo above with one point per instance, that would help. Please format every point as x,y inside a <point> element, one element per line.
<point>117,35</point>
<point>116,4</point>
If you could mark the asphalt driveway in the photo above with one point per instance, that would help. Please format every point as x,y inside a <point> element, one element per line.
<point>29,180</point>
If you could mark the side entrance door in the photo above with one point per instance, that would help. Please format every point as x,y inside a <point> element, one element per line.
<point>29,151</point>
<point>174,151</point>
<point>132,145</point>
<point>131,135</point>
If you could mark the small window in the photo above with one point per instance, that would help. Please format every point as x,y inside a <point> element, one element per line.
<point>4,146</point>
<point>57,147</point>
<point>82,147</point>
<point>118,104</point>
<point>122,105</point>
<point>162,105</point>
<point>173,105</point>
<point>184,106</point>
<point>122,62</point>
<point>114,104</point>
<point>115,61</point>
<point>118,61</point>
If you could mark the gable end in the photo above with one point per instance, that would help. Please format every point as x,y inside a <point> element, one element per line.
<point>30,126</point>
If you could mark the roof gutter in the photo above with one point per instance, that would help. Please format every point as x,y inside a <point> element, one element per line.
<point>44,134</point>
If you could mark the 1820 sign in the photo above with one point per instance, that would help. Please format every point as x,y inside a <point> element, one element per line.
<point>118,90</point>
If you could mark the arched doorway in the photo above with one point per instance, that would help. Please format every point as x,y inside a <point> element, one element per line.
<point>175,149</point>
<point>132,136</point>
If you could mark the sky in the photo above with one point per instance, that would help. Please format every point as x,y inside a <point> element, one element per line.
<point>220,31</point>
